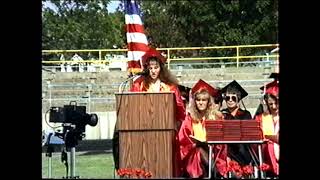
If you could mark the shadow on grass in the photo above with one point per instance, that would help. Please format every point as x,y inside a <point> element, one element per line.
<point>96,152</point>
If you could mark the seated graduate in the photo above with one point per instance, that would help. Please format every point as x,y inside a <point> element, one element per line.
<point>270,125</point>
<point>233,93</point>
<point>260,108</point>
<point>192,134</point>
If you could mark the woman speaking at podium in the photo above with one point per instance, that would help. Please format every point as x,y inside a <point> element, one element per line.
<point>158,78</point>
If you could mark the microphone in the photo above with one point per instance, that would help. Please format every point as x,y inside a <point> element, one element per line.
<point>142,73</point>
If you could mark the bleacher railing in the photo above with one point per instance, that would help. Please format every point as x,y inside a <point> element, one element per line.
<point>174,55</point>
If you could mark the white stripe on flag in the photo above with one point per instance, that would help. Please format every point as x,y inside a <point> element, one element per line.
<point>135,55</point>
<point>137,38</point>
<point>133,19</point>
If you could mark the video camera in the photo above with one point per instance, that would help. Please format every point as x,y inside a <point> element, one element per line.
<point>73,114</point>
<point>74,119</point>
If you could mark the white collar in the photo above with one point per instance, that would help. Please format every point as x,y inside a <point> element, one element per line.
<point>156,86</point>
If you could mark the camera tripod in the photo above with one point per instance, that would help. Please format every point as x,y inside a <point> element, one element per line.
<point>49,151</point>
<point>72,161</point>
<point>71,140</point>
<point>51,143</point>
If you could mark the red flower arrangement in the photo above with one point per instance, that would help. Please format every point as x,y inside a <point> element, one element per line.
<point>245,171</point>
<point>264,167</point>
<point>133,173</point>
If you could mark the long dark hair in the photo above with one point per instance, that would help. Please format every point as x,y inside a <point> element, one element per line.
<point>165,75</point>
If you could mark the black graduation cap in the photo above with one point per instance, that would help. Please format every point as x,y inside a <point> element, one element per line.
<point>274,76</point>
<point>236,85</point>
<point>184,90</point>
<point>218,98</point>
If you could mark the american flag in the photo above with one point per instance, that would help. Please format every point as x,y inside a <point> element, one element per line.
<point>136,39</point>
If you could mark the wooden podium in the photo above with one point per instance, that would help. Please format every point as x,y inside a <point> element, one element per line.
<point>146,123</point>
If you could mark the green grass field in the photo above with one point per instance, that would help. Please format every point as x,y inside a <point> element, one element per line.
<point>88,165</point>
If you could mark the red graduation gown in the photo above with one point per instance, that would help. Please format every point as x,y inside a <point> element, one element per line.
<point>269,156</point>
<point>190,156</point>
<point>181,111</point>
<point>180,115</point>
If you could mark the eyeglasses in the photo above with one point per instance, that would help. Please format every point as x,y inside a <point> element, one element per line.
<point>233,98</point>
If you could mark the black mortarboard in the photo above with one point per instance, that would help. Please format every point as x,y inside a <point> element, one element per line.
<point>184,89</point>
<point>218,98</point>
<point>274,76</point>
<point>237,86</point>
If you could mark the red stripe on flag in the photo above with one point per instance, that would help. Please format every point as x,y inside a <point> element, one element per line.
<point>137,47</point>
<point>133,28</point>
<point>134,64</point>
<point>135,42</point>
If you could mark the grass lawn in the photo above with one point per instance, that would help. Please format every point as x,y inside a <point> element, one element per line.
<point>88,165</point>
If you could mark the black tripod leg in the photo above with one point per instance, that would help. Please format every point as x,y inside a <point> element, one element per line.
<point>64,159</point>
<point>49,151</point>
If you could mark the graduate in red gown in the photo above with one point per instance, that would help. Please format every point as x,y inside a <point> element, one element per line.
<point>159,79</point>
<point>275,77</point>
<point>194,156</point>
<point>270,125</point>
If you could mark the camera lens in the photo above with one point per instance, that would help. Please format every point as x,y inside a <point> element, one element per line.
<point>93,120</point>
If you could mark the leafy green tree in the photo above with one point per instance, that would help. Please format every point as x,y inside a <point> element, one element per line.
<point>212,23</point>
<point>79,24</point>
<point>75,24</point>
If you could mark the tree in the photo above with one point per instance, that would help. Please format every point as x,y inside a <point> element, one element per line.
<point>211,23</point>
<point>87,24</point>
<point>76,24</point>
<point>160,26</point>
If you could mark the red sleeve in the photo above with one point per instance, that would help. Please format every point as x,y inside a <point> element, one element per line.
<point>136,86</point>
<point>183,136</point>
<point>181,111</point>
<point>190,156</point>
<point>268,151</point>
<point>258,117</point>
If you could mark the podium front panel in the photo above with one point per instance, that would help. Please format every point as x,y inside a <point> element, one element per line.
<point>148,150</point>
<point>146,125</point>
<point>139,111</point>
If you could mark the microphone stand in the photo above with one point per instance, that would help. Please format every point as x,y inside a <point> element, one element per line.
<point>131,77</point>
<point>124,83</point>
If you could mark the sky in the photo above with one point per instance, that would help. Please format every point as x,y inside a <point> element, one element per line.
<point>111,7</point>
